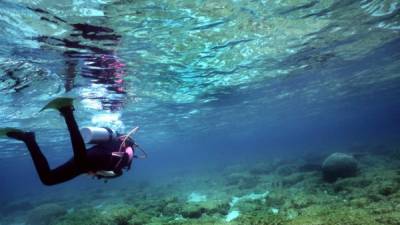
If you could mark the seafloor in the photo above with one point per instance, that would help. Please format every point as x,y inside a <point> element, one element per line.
<point>277,191</point>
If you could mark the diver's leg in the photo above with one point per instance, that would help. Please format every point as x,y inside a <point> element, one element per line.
<point>78,145</point>
<point>63,173</point>
<point>48,177</point>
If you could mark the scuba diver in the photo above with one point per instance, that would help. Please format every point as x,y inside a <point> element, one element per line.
<point>111,153</point>
<point>90,48</point>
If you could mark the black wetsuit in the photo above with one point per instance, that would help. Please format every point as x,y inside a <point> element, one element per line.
<point>96,158</point>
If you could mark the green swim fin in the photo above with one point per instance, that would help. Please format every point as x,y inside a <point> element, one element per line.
<point>5,130</point>
<point>58,103</point>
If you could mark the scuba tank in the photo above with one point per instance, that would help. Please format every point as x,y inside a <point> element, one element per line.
<point>97,135</point>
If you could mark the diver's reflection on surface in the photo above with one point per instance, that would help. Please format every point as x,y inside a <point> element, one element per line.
<point>106,70</point>
<point>90,52</point>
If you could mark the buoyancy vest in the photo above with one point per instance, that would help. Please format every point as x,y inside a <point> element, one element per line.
<point>122,156</point>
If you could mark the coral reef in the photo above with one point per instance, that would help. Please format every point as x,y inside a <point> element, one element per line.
<point>339,165</point>
<point>280,194</point>
<point>45,214</point>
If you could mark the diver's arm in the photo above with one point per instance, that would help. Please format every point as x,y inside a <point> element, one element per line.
<point>105,173</point>
<point>108,174</point>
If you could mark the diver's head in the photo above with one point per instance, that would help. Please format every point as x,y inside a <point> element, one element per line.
<point>126,141</point>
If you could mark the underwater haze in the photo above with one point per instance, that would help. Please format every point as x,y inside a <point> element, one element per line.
<point>240,105</point>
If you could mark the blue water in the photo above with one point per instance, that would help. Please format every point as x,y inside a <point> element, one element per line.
<point>209,83</point>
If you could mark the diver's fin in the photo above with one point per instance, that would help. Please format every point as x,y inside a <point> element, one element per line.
<point>58,103</point>
<point>5,130</point>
